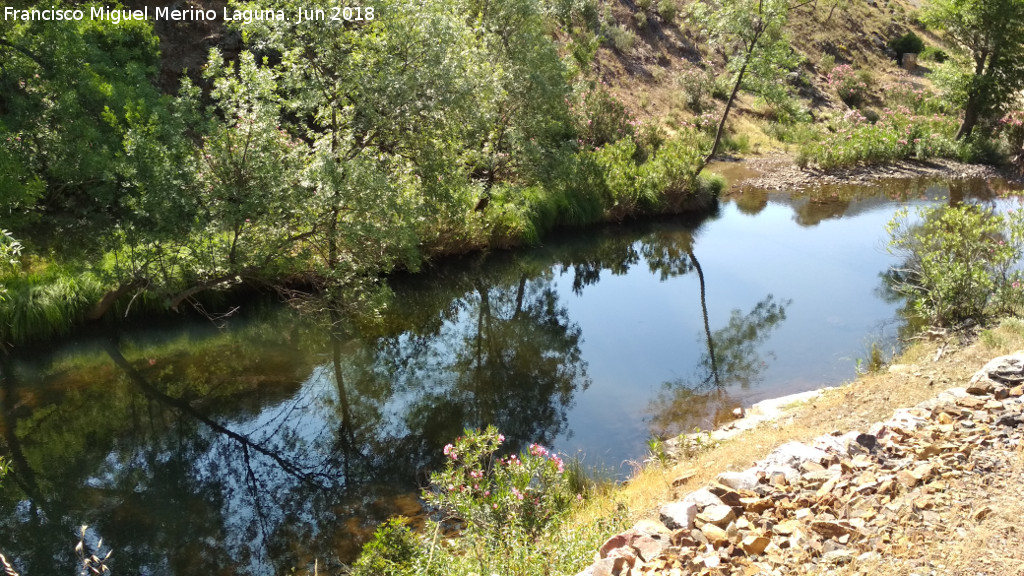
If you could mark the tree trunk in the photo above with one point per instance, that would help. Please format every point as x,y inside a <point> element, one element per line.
<point>732,98</point>
<point>704,309</point>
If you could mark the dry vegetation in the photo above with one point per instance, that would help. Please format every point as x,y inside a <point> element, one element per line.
<point>823,33</point>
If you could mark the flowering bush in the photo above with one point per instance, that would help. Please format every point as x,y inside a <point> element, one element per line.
<point>1012,127</point>
<point>898,134</point>
<point>920,100</point>
<point>850,85</point>
<point>521,492</point>
<point>696,87</point>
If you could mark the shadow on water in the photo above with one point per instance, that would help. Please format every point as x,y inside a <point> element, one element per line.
<point>286,438</point>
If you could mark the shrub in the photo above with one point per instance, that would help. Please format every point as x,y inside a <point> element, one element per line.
<point>641,19</point>
<point>644,4</point>
<point>897,134</point>
<point>909,43</point>
<point>517,494</point>
<point>602,118</point>
<point>695,86</point>
<point>958,262</point>
<point>932,54</point>
<point>1011,126</point>
<point>622,39</point>
<point>919,100</point>
<point>850,86</point>
<point>668,10</point>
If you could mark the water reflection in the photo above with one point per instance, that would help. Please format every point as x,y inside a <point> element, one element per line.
<point>733,360</point>
<point>287,437</point>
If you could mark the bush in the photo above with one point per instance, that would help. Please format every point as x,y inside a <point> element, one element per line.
<point>668,10</point>
<point>897,134</point>
<point>602,119</point>
<point>696,86</point>
<point>1011,126</point>
<point>517,494</point>
<point>932,54</point>
<point>909,43</point>
<point>622,39</point>
<point>851,86</point>
<point>958,263</point>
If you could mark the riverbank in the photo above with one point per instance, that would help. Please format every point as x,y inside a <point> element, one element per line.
<point>924,370</point>
<point>780,172</point>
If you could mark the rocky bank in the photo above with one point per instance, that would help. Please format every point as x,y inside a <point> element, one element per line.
<point>846,502</point>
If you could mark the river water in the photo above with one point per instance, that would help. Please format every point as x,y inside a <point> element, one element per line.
<point>278,437</point>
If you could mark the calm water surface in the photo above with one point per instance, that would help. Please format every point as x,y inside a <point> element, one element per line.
<point>285,437</point>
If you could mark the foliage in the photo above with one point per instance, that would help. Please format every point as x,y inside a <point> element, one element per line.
<point>623,39</point>
<point>1011,125</point>
<point>602,118</point>
<point>850,85</point>
<point>898,134</point>
<point>497,496</point>
<point>958,263</point>
<point>986,71</point>
<point>511,511</point>
<point>393,549</point>
<point>668,10</point>
<point>909,43</point>
<point>920,100</point>
<point>695,86</point>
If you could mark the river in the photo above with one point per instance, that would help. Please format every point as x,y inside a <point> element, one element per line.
<point>277,437</point>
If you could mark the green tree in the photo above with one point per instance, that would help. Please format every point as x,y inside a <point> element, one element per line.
<point>988,47</point>
<point>752,34</point>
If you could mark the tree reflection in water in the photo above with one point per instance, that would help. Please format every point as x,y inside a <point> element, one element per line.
<point>258,450</point>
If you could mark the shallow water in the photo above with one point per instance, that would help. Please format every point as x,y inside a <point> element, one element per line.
<point>285,437</point>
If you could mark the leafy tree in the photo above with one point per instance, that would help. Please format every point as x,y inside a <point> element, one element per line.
<point>752,35</point>
<point>988,49</point>
<point>958,263</point>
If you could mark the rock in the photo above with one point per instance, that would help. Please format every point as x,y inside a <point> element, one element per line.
<point>617,541</point>
<point>830,529</point>
<point>792,454</point>
<point>746,480</point>
<point>754,545</point>
<point>648,548</point>
<point>720,515</point>
<point>678,515</point>
<point>702,498</point>
<point>609,567</point>
<point>715,535</point>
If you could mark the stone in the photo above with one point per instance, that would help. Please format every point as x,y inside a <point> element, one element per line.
<point>609,567</point>
<point>746,480</point>
<point>830,529</point>
<point>617,541</point>
<point>648,548</point>
<point>754,545</point>
<point>702,498</point>
<point>792,454</point>
<point>720,515</point>
<point>715,535</point>
<point>678,515</point>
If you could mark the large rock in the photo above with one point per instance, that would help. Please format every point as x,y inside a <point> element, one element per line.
<point>792,455</point>
<point>678,515</point>
<point>746,480</point>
